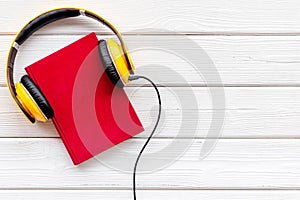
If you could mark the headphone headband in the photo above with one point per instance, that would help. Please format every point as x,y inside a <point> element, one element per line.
<point>41,21</point>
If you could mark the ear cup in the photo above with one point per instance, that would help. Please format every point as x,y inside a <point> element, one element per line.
<point>117,54</point>
<point>37,95</point>
<point>109,65</point>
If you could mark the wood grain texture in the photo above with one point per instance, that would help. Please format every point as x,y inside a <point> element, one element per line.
<point>148,195</point>
<point>239,60</point>
<point>249,113</point>
<point>255,46</point>
<point>208,17</point>
<point>232,164</point>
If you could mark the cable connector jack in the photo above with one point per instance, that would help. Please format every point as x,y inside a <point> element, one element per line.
<point>133,77</point>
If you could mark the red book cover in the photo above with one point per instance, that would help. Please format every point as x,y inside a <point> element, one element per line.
<point>90,114</point>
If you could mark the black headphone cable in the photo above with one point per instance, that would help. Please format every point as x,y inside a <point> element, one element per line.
<point>131,78</point>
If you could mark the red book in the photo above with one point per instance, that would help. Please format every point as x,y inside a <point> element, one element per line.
<point>90,114</point>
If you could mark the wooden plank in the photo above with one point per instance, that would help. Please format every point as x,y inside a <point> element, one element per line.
<point>234,17</point>
<point>233,164</point>
<point>249,113</point>
<point>148,195</point>
<point>243,60</point>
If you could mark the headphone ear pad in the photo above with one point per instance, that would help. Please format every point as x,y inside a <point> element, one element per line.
<point>109,65</point>
<point>37,95</point>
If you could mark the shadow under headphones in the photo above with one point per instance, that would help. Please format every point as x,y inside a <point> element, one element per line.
<point>28,96</point>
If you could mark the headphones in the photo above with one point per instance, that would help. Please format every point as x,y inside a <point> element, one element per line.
<point>115,59</point>
<point>30,99</point>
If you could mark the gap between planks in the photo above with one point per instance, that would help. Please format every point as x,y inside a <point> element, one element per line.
<point>146,189</point>
<point>164,34</point>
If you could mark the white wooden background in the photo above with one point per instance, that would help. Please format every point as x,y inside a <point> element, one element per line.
<point>255,46</point>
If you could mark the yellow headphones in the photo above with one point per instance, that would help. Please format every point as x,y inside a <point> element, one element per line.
<point>28,96</point>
